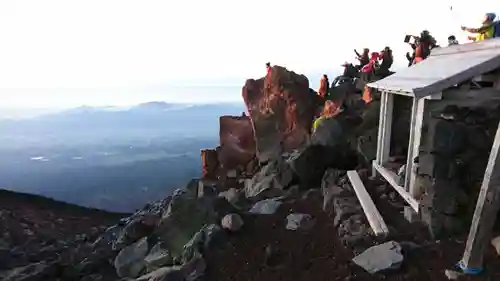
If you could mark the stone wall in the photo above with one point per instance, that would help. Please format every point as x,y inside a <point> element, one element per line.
<point>456,141</point>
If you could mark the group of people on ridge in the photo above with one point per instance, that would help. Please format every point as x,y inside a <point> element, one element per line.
<point>377,64</point>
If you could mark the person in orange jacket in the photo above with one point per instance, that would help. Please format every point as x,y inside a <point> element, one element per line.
<point>324,86</point>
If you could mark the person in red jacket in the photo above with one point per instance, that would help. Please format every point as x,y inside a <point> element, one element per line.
<point>266,102</point>
<point>370,66</point>
<point>268,68</point>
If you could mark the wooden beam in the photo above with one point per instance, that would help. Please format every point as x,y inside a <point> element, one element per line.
<point>372,214</point>
<point>390,177</point>
<point>485,214</point>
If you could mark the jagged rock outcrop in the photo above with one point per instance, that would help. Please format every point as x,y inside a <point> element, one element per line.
<point>282,108</point>
<point>209,163</point>
<point>237,145</point>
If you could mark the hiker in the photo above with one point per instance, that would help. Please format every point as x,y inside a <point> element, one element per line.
<point>266,106</point>
<point>331,109</point>
<point>423,47</point>
<point>368,69</point>
<point>387,60</point>
<point>324,86</point>
<point>486,31</point>
<point>268,68</point>
<point>350,71</point>
<point>452,40</point>
<point>364,58</point>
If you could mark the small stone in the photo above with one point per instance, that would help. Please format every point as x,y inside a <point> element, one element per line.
<point>232,222</point>
<point>380,257</point>
<point>496,243</point>
<point>266,207</point>
<point>452,275</point>
<point>299,221</point>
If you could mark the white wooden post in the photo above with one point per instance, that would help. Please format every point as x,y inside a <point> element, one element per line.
<point>417,117</point>
<point>384,129</point>
<point>485,214</point>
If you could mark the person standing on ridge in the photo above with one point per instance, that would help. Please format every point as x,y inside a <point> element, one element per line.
<point>268,68</point>
<point>423,48</point>
<point>364,58</point>
<point>486,31</point>
<point>324,86</point>
<point>387,60</point>
<point>369,68</point>
<point>266,106</point>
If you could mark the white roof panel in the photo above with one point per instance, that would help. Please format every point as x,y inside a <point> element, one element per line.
<point>444,68</point>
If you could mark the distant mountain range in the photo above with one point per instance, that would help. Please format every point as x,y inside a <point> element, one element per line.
<point>115,158</point>
<point>138,123</point>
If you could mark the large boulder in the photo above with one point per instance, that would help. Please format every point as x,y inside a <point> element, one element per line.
<point>282,108</point>
<point>236,141</point>
<point>311,163</point>
<point>185,215</point>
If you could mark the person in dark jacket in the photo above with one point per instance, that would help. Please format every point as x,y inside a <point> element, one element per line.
<point>364,58</point>
<point>387,60</point>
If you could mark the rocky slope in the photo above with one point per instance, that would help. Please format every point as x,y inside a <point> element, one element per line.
<point>270,206</point>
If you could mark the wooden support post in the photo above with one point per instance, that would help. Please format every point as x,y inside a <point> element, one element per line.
<point>372,214</point>
<point>485,214</point>
<point>384,129</point>
<point>417,117</point>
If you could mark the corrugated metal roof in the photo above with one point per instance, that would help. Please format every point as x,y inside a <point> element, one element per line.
<point>444,68</point>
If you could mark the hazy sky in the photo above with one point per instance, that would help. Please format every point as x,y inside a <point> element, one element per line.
<point>67,53</point>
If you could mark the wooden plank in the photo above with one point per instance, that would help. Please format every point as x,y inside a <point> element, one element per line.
<point>372,214</point>
<point>390,177</point>
<point>486,211</point>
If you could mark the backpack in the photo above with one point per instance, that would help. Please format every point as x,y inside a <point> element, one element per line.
<point>496,29</point>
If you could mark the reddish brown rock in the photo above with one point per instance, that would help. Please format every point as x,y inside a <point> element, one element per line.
<point>236,141</point>
<point>209,163</point>
<point>281,107</point>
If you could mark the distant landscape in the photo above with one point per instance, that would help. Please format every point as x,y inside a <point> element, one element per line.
<point>111,158</point>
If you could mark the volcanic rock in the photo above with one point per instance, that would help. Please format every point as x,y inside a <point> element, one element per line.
<point>282,108</point>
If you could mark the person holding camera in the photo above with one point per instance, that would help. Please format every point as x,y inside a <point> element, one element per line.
<point>423,46</point>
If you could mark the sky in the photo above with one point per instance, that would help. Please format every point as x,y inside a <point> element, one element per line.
<point>65,53</point>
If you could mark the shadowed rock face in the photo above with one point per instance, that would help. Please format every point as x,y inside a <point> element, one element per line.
<point>236,141</point>
<point>282,108</point>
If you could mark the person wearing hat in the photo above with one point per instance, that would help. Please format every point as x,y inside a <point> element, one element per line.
<point>486,31</point>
